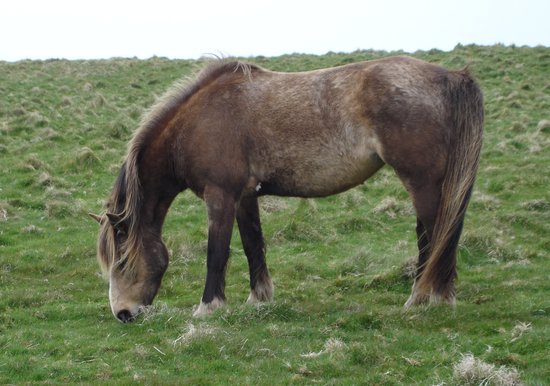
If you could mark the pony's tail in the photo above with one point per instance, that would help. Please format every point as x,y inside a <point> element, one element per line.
<point>466,118</point>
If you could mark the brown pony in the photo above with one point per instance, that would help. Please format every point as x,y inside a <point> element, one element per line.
<point>239,131</point>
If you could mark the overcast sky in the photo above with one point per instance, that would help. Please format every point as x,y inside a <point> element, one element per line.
<point>42,29</point>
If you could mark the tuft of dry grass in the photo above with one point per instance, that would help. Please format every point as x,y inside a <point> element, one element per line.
<point>32,229</point>
<point>393,207</point>
<point>537,205</point>
<point>332,346</point>
<point>99,101</point>
<point>66,101</point>
<point>272,204</point>
<point>193,332</point>
<point>45,179</point>
<point>59,209</point>
<point>35,163</point>
<point>544,126</point>
<point>520,329</point>
<point>409,267</point>
<point>85,158</point>
<point>119,129</point>
<point>48,134</point>
<point>88,87</point>
<point>485,201</point>
<point>473,371</point>
<point>36,119</point>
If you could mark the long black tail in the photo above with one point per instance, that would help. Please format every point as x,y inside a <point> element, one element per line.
<point>465,101</point>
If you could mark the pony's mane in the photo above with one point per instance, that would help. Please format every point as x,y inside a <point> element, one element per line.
<point>167,105</point>
<point>126,198</point>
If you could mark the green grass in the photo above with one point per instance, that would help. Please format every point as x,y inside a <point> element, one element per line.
<point>339,264</point>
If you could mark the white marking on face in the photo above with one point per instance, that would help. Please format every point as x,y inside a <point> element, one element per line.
<point>111,296</point>
<point>119,300</point>
<point>258,187</point>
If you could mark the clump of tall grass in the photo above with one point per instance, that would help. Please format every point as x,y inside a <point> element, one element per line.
<point>45,179</point>
<point>248,314</point>
<point>358,264</point>
<point>192,332</point>
<point>392,207</point>
<point>473,371</point>
<point>544,126</point>
<point>87,87</point>
<point>34,163</point>
<point>4,214</point>
<point>66,101</point>
<point>47,134</point>
<point>332,347</point>
<point>485,201</point>
<point>85,158</point>
<point>98,101</point>
<point>537,205</point>
<point>36,119</point>
<point>272,204</point>
<point>489,246</point>
<point>32,229</point>
<point>119,129</point>
<point>59,209</point>
<point>301,225</point>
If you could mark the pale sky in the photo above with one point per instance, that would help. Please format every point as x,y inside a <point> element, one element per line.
<point>43,29</point>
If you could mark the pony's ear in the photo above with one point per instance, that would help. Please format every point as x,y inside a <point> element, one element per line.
<point>99,219</point>
<point>116,222</point>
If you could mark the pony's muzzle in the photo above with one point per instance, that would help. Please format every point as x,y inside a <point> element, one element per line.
<point>127,313</point>
<point>125,316</point>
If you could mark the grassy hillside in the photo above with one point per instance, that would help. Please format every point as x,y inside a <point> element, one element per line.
<point>339,264</point>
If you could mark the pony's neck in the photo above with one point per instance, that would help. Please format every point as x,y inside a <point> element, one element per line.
<point>158,190</point>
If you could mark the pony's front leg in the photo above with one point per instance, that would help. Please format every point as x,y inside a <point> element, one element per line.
<point>221,216</point>
<point>248,219</point>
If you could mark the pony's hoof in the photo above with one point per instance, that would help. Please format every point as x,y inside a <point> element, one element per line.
<point>204,309</point>
<point>433,299</point>
<point>253,298</point>
<point>415,299</point>
<point>449,300</point>
<point>262,293</point>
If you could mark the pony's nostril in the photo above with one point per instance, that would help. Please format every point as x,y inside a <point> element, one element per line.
<point>124,316</point>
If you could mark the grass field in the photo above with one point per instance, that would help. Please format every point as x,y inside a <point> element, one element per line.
<point>339,264</point>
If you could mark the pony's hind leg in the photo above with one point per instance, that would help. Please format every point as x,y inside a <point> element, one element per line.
<point>423,253</point>
<point>221,216</point>
<point>248,219</point>
<point>423,246</point>
<point>426,196</point>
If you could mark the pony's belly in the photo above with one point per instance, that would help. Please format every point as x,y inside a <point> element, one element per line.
<point>319,179</point>
<point>342,176</point>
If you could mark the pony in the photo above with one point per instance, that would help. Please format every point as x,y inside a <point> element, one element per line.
<point>238,131</point>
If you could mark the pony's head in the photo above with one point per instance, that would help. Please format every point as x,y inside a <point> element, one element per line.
<point>134,271</point>
<point>131,254</point>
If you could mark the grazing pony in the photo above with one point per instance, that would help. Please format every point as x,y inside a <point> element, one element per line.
<point>239,131</point>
